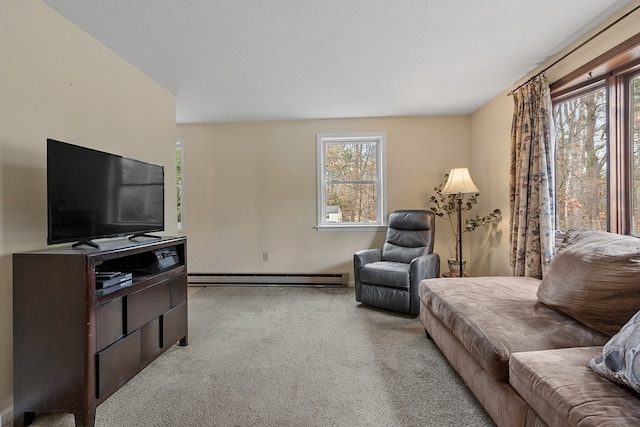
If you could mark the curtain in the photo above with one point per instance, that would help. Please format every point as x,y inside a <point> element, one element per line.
<point>531,192</point>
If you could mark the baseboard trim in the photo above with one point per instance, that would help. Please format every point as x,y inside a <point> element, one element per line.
<point>268,279</point>
<point>6,417</point>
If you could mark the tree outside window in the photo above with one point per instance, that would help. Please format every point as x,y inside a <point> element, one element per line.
<point>581,161</point>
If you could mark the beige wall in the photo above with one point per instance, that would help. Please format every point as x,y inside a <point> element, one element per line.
<point>244,180</point>
<point>490,144</point>
<point>251,188</point>
<point>57,82</point>
<point>490,162</point>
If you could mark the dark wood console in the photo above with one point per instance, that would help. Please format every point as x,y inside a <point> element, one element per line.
<point>74,345</point>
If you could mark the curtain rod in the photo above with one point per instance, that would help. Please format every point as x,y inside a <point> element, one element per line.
<point>575,48</point>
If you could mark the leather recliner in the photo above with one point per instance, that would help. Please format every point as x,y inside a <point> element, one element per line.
<point>388,278</point>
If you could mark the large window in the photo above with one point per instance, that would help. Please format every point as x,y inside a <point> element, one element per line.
<point>597,144</point>
<point>351,181</point>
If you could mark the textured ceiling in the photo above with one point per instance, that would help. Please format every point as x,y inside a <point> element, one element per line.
<point>253,60</point>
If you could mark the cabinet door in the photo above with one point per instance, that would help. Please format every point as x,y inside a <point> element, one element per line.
<point>146,305</point>
<point>109,323</point>
<point>178,289</point>
<point>117,364</point>
<point>174,325</point>
<point>150,337</point>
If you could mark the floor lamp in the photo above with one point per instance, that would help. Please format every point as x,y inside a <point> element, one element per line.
<point>459,183</point>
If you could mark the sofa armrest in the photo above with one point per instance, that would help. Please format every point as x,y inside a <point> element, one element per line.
<point>361,258</point>
<point>422,267</point>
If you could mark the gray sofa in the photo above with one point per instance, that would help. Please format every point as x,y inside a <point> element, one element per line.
<point>529,349</point>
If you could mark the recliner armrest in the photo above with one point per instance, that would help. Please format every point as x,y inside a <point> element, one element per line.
<point>422,267</point>
<point>425,267</point>
<point>366,256</point>
<point>361,258</point>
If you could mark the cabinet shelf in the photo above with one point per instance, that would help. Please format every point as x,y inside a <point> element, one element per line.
<point>137,282</point>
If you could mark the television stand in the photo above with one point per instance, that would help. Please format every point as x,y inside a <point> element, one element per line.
<point>75,343</point>
<point>151,236</point>
<point>86,243</point>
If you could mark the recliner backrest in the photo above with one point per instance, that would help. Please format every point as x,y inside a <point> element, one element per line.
<point>410,234</point>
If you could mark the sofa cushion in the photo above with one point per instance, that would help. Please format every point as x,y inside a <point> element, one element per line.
<point>496,316</point>
<point>386,273</point>
<point>620,357</point>
<point>561,388</point>
<point>595,278</point>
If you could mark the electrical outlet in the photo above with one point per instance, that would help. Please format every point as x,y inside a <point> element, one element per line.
<point>265,256</point>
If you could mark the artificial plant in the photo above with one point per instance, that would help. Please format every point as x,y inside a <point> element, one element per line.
<point>446,206</point>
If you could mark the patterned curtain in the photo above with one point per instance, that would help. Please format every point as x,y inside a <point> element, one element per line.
<point>531,196</point>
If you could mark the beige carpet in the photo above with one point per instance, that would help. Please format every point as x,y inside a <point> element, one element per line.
<point>288,356</point>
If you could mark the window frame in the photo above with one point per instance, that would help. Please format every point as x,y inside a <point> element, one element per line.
<point>594,85</point>
<point>181,226</point>
<point>380,139</point>
<point>613,70</point>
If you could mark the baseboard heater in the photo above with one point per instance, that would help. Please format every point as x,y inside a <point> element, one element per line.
<point>268,279</point>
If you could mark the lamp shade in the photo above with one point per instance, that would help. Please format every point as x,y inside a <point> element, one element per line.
<point>459,182</point>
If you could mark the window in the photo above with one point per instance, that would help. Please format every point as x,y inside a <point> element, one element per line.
<point>597,143</point>
<point>179,183</point>
<point>581,160</point>
<point>351,181</point>
<point>634,88</point>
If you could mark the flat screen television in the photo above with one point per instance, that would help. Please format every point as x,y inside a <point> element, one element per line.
<point>92,194</point>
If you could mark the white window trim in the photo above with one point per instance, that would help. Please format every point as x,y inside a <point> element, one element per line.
<point>181,224</point>
<point>381,139</point>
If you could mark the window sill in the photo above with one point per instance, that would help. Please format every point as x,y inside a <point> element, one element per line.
<point>351,227</point>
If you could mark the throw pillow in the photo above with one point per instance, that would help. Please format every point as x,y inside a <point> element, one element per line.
<point>594,278</point>
<point>620,358</point>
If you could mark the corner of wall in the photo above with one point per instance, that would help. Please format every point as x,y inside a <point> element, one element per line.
<point>490,145</point>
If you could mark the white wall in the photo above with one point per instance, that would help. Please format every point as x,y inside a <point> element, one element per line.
<point>251,188</point>
<point>57,82</point>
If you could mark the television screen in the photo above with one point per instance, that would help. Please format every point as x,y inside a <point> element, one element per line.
<point>92,194</point>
